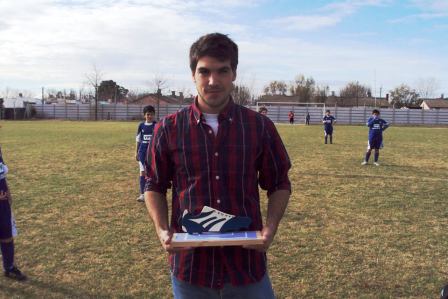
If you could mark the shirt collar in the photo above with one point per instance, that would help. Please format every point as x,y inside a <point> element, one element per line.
<point>226,114</point>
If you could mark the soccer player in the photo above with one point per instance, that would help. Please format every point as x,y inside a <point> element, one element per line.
<point>143,138</point>
<point>7,227</point>
<point>307,119</point>
<point>328,121</point>
<point>263,110</point>
<point>291,117</point>
<point>216,154</point>
<point>376,127</point>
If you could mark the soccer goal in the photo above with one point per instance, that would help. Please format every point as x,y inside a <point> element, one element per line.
<point>278,111</point>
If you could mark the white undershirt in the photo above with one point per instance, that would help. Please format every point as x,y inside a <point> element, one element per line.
<point>212,121</point>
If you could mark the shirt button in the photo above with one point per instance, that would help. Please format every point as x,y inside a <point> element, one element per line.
<point>217,177</point>
<point>216,154</point>
<point>218,201</point>
<point>210,131</point>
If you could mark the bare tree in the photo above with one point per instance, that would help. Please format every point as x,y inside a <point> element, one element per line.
<point>14,93</point>
<point>276,87</point>
<point>304,88</point>
<point>427,87</point>
<point>94,80</point>
<point>241,94</point>
<point>6,93</point>
<point>159,83</point>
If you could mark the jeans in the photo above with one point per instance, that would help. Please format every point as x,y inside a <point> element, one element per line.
<point>258,290</point>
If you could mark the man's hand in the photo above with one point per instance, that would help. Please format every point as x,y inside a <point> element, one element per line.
<point>165,238</point>
<point>268,236</point>
<point>136,157</point>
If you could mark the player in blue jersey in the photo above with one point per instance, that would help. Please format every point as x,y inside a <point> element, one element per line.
<point>7,227</point>
<point>143,138</point>
<point>328,120</point>
<point>376,127</point>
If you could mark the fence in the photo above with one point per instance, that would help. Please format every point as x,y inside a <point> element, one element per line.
<point>104,111</point>
<point>278,114</point>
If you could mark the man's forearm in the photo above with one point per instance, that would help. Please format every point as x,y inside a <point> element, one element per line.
<point>157,209</point>
<point>277,203</point>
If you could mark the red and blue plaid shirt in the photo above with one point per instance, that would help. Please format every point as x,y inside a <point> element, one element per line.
<point>223,172</point>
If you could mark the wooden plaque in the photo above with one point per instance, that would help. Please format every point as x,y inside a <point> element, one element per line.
<point>217,239</point>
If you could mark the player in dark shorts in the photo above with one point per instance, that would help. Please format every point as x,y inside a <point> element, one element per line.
<point>144,135</point>
<point>7,227</point>
<point>328,121</point>
<point>376,127</point>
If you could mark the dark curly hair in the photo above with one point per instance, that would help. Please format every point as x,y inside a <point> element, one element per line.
<point>216,45</point>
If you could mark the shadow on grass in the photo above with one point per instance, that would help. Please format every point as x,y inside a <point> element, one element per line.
<point>56,289</point>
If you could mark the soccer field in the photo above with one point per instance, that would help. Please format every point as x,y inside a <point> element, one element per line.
<point>350,231</point>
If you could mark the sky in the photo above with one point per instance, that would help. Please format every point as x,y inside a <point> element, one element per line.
<point>379,43</point>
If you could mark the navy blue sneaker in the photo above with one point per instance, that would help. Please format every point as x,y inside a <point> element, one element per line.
<point>444,292</point>
<point>213,221</point>
<point>15,273</point>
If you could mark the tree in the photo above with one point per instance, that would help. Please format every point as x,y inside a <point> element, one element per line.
<point>303,87</point>
<point>94,79</point>
<point>276,87</point>
<point>404,96</point>
<point>427,87</point>
<point>241,94</point>
<point>159,82</point>
<point>355,90</point>
<point>110,90</point>
<point>320,93</point>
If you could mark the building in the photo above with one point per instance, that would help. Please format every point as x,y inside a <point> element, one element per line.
<point>159,99</point>
<point>434,104</point>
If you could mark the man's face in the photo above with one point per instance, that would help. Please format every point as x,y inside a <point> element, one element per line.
<point>375,115</point>
<point>327,113</point>
<point>214,83</point>
<point>149,116</point>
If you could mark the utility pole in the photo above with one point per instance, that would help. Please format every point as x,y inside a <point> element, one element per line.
<point>375,87</point>
<point>96,101</point>
<point>357,86</point>
<point>159,93</point>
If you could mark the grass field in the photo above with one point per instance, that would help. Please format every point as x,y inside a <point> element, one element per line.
<point>350,231</point>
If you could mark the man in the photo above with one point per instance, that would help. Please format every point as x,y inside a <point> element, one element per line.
<point>376,127</point>
<point>7,227</point>
<point>291,117</point>
<point>307,119</point>
<point>328,121</point>
<point>143,138</point>
<point>216,153</point>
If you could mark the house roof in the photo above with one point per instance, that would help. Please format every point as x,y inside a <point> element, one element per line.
<point>151,99</point>
<point>278,98</point>
<point>18,102</point>
<point>436,103</point>
<point>351,102</point>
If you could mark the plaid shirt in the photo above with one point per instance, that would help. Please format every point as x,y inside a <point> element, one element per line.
<point>222,172</point>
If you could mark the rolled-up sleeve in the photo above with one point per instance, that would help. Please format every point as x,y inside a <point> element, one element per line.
<point>275,163</point>
<point>158,164</point>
